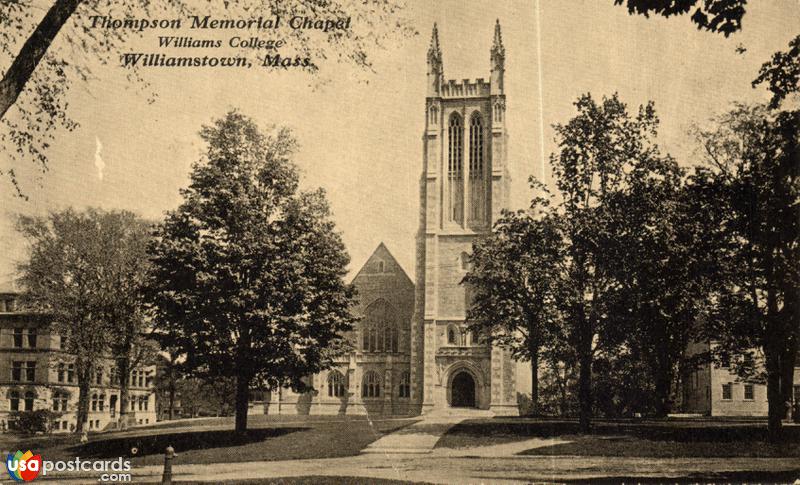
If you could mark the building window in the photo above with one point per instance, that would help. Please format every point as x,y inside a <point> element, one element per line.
<point>749,392</point>
<point>14,401</point>
<point>380,331</point>
<point>61,372</point>
<point>23,371</point>
<point>32,338</point>
<point>336,387</point>
<point>18,338</point>
<point>727,391</point>
<point>141,378</point>
<point>98,377</point>
<point>371,386</point>
<point>101,402</point>
<point>94,402</point>
<point>452,335</point>
<point>405,385</point>
<point>477,199</point>
<point>796,393</point>
<point>455,170</point>
<point>29,397</point>
<point>725,360</point>
<point>71,373</point>
<point>60,401</point>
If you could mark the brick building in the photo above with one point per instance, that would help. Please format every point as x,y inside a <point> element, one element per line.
<point>714,389</point>
<point>35,373</point>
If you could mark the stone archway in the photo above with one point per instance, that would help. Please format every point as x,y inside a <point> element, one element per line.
<point>462,390</point>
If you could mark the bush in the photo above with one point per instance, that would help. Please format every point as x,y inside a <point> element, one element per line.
<point>32,422</point>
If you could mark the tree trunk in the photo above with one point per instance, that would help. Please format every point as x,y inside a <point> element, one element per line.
<point>123,368</point>
<point>774,395</point>
<point>84,385</point>
<point>242,397</point>
<point>32,52</point>
<point>663,385</point>
<point>788,359</point>
<point>534,351</point>
<point>585,381</point>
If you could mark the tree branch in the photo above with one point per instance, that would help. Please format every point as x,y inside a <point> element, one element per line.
<point>33,51</point>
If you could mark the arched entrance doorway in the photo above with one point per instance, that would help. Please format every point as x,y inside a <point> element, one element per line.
<point>462,392</point>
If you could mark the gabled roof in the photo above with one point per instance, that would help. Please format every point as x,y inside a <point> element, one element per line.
<point>382,253</point>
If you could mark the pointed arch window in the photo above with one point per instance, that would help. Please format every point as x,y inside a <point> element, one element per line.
<point>477,184</point>
<point>404,389</point>
<point>455,170</point>
<point>336,384</point>
<point>453,335</point>
<point>380,330</point>
<point>371,386</point>
<point>433,115</point>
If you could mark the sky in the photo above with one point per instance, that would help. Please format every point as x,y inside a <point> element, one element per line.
<point>360,132</point>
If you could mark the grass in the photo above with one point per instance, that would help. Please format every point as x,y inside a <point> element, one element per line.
<point>311,480</point>
<point>268,439</point>
<point>649,439</point>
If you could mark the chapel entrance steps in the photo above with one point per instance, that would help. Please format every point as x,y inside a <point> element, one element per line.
<point>422,436</point>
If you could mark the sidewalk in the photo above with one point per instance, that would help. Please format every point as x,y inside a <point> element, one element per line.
<point>421,437</point>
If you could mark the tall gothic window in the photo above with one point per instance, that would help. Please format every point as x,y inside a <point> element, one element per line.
<point>405,385</point>
<point>336,387</point>
<point>455,170</point>
<point>380,330</point>
<point>477,183</point>
<point>372,385</point>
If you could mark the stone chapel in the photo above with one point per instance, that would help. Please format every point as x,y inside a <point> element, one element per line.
<point>412,352</point>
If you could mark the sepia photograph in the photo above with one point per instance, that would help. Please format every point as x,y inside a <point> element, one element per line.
<point>400,241</point>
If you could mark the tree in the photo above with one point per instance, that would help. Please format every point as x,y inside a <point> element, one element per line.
<point>751,187</point>
<point>655,251</point>
<point>511,283</point>
<point>84,272</point>
<point>597,148</point>
<point>248,271</point>
<point>49,53</point>
<point>724,16</point>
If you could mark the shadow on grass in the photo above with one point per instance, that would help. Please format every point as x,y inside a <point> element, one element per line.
<point>135,446</point>
<point>674,431</point>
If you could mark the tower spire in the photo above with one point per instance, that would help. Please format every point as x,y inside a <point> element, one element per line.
<point>497,60</point>
<point>498,51</point>
<point>435,68</point>
<point>434,52</point>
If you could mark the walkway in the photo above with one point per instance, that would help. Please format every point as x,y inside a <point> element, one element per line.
<point>421,437</point>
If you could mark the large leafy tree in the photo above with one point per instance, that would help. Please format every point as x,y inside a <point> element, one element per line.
<point>657,257</point>
<point>513,285</point>
<point>752,186</point>
<point>86,271</point>
<point>47,49</point>
<point>248,271</point>
<point>597,148</point>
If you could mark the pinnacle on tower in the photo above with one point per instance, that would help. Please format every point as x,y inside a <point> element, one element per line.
<point>497,46</point>
<point>434,52</point>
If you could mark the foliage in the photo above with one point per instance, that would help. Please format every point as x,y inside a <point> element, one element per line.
<point>32,422</point>
<point>248,271</point>
<point>751,189</point>
<point>781,74</point>
<point>724,16</point>
<point>512,292</point>
<point>84,273</point>
<point>51,51</point>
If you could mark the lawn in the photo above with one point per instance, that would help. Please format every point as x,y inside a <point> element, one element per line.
<point>649,439</point>
<point>310,480</point>
<point>268,439</point>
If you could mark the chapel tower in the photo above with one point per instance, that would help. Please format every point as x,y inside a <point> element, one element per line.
<point>463,188</point>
